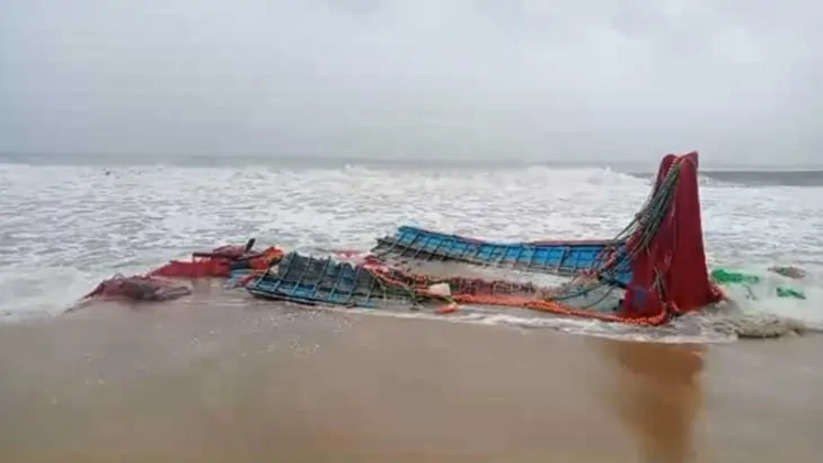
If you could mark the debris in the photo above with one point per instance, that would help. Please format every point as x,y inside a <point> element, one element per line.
<point>795,273</point>
<point>220,262</point>
<point>447,309</point>
<point>439,289</point>
<point>783,291</point>
<point>724,276</point>
<point>653,270</point>
<point>138,288</point>
<point>217,263</point>
<point>727,277</point>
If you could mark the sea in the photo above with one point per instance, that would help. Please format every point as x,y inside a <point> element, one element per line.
<point>69,222</point>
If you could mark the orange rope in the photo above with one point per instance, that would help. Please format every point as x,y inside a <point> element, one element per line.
<point>419,283</point>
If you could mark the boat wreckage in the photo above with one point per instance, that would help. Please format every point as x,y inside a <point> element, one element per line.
<point>653,270</point>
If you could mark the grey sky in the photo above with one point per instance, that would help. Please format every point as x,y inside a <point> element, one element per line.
<point>738,80</point>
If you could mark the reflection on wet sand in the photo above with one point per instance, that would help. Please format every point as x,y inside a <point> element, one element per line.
<point>656,395</point>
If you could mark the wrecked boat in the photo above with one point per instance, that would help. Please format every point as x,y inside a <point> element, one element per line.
<point>653,270</point>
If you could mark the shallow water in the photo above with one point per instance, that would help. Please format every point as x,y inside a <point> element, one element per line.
<point>72,225</point>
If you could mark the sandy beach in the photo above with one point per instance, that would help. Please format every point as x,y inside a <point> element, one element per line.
<point>238,380</point>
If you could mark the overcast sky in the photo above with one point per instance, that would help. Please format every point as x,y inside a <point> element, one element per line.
<point>504,79</point>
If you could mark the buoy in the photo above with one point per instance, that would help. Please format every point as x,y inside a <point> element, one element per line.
<point>440,289</point>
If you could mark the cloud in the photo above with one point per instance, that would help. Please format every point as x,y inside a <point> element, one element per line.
<point>511,80</point>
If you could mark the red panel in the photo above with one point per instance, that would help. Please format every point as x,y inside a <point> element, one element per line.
<point>675,256</point>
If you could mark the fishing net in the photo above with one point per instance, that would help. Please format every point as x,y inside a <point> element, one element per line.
<point>663,245</point>
<point>219,262</point>
<point>137,288</point>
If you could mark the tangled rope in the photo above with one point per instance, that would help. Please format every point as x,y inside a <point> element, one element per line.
<point>633,240</point>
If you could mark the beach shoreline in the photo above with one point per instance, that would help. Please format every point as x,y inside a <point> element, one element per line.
<point>253,380</point>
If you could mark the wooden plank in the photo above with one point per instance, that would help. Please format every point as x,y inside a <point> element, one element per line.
<point>563,256</point>
<point>354,286</point>
<point>322,275</point>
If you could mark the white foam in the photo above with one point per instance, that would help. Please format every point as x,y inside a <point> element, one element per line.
<point>763,298</point>
<point>680,333</point>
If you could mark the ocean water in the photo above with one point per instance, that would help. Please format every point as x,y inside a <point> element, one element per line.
<point>65,227</point>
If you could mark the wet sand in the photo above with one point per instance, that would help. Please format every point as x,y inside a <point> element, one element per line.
<point>257,381</point>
